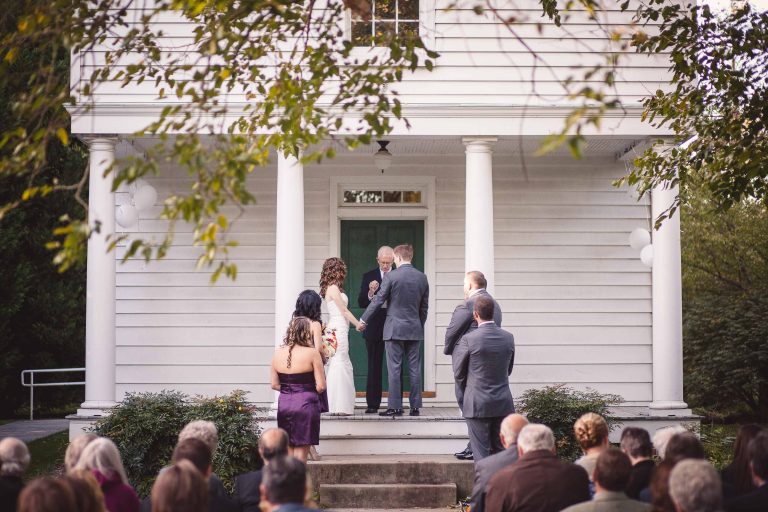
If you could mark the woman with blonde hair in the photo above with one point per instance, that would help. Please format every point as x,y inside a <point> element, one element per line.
<point>75,449</point>
<point>592,435</point>
<point>341,381</point>
<point>102,458</point>
<point>297,373</point>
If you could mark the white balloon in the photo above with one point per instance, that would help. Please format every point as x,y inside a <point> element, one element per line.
<point>639,238</point>
<point>646,255</point>
<point>145,197</point>
<point>136,185</point>
<point>126,215</point>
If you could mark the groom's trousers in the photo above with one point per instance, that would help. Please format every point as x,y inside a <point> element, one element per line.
<point>397,351</point>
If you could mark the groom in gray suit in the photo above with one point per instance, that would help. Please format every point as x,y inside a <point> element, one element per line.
<point>406,291</point>
<point>482,363</point>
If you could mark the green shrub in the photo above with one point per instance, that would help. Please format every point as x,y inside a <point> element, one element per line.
<point>559,407</point>
<point>145,427</point>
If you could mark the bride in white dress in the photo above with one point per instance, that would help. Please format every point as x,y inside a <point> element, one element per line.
<point>339,376</point>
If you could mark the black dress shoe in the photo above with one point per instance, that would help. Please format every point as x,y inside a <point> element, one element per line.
<point>372,410</point>
<point>414,412</point>
<point>392,412</point>
<point>465,452</point>
<point>465,456</point>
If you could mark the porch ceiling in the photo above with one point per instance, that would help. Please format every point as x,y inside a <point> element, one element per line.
<point>596,147</point>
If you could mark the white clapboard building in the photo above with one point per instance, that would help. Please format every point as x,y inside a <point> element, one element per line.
<point>551,234</point>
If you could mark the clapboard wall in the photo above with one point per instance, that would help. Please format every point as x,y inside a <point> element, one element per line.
<point>574,294</point>
<point>483,61</point>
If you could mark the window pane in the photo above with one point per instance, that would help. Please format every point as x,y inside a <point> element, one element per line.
<point>412,196</point>
<point>392,196</point>
<point>361,33</point>
<point>384,9</point>
<point>362,196</point>
<point>408,30</point>
<point>409,10</point>
<point>384,32</point>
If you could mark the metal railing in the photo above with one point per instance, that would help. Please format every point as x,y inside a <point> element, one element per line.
<point>32,384</point>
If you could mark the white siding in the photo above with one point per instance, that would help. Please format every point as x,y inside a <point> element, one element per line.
<point>482,61</point>
<point>573,293</point>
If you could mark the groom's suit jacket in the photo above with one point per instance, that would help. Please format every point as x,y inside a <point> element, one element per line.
<point>462,321</point>
<point>406,291</point>
<point>374,331</point>
<point>482,364</point>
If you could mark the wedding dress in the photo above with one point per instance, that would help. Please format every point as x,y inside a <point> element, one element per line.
<point>341,383</point>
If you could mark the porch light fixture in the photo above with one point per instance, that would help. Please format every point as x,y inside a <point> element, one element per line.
<point>383,158</point>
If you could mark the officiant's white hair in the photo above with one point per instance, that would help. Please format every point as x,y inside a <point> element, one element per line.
<point>536,437</point>
<point>384,249</point>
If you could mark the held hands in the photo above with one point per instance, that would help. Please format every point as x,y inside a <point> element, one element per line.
<point>361,325</point>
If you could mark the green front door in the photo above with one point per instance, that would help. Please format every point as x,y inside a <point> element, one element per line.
<point>360,240</point>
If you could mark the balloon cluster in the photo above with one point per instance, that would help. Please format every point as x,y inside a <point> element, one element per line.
<point>640,238</point>
<point>142,195</point>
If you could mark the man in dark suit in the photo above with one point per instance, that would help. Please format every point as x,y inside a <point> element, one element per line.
<point>462,322</point>
<point>482,364</point>
<point>758,462</point>
<point>406,292</point>
<point>199,454</point>
<point>539,481</point>
<point>284,485</point>
<point>636,443</point>
<point>374,332</point>
<point>272,443</point>
<point>489,466</point>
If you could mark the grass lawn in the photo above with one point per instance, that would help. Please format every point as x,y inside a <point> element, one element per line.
<point>47,454</point>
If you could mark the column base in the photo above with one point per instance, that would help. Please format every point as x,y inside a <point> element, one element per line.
<point>95,408</point>
<point>669,408</point>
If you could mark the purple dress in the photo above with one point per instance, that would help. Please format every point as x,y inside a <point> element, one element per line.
<point>298,408</point>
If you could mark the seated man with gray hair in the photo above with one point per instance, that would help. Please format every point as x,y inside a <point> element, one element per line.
<point>14,459</point>
<point>538,481</point>
<point>695,486</point>
<point>273,443</point>
<point>206,432</point>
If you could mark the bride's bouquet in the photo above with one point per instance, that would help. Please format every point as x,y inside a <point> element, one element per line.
<point>330,343</point>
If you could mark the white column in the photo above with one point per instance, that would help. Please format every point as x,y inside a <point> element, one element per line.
<point>478,224</point>
<point>667,306</point>
<point>100,287</point>
<point>289,244</point>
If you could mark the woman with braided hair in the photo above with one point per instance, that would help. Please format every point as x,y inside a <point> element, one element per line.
<point>297,373</point>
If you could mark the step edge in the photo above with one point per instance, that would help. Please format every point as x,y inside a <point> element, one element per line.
<point>447,485</point>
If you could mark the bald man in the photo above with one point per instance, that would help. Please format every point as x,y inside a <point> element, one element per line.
<point>487,467</point>
<point>273,443</point>
<point>374,332</point>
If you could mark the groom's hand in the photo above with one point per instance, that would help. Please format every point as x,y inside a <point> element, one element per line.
<point>361,327</point>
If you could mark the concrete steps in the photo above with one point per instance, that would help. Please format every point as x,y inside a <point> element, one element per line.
<point>391,482</point>
<point>383,495</point>
<point>438,431</point>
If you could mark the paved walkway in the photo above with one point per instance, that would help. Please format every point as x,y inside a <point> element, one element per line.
<point>27,430</point>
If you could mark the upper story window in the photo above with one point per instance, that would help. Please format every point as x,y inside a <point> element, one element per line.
<point>389,18</point>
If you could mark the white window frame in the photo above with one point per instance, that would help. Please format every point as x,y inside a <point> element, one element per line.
<point>426,28</point>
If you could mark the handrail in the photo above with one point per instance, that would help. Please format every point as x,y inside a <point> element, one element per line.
<point>32,385</point>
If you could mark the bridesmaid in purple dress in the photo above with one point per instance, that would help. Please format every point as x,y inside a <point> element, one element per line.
<point>297,372</point>
<point>309,304</point>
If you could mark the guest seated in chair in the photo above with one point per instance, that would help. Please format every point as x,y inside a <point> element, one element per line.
<point>612,473</point>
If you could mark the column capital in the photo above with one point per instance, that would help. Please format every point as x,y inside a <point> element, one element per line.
<point>479,144</point>
<point>105,142</point>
